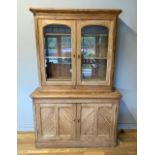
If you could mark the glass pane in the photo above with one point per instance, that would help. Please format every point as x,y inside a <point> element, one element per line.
<point>94,47</point>
<point>57,47</point>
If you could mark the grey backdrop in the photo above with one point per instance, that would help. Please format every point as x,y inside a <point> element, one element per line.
<point>125,69</point>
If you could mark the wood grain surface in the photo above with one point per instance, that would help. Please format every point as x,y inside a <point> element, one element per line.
<point>76,19</point>
<point>75,113</point>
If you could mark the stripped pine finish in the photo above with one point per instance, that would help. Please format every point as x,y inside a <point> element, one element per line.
<point>76,122</point>
<point>72,108</point>
<point>48,121</point>
<point>56,121</point>
<point>76,19</point>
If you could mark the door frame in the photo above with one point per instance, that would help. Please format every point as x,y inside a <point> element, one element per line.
<point>110,25</point>
<point>70,23</point>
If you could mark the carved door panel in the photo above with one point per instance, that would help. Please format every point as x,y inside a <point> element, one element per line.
<point>56,121</point>
<point>95,122</point>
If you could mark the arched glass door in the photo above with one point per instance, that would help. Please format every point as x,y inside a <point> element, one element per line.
<point>94,47</point>
<point>57,50</point>
<point>94,52</point>
<point>57,42</point>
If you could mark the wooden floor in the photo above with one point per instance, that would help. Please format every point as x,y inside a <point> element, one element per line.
<point>127,144</point>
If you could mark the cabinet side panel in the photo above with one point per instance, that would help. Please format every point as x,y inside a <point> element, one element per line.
<point>37,48</point>
<point>113,47</point>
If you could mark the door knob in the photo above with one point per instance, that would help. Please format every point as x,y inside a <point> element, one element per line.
<point>79,56</point>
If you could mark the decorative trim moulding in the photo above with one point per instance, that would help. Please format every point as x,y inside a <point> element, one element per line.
<point>120,126</point>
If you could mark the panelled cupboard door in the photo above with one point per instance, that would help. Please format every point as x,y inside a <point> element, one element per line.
<point>57,52</point>
<point>96,122</point>
<point>95,47</point>
<point>55,121</point>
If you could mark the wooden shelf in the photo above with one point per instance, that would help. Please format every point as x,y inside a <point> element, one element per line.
<point>57,57</point>
<point>91,58</point>
<point>89,35</point>
<point>92,79</point>
<point>58,79</point>
<point>57,34</point>
<point>59,63</point>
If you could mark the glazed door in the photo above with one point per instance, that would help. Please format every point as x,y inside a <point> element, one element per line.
<point>56,121</point>
<point>95,52</point>
<point>96,122</point>
<point>57,52</point>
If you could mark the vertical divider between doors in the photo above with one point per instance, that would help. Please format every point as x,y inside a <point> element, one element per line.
<point>96,120</point>
<point>75,51</point>
<point>78,121</point>
<point>57,119</point>
<point>78,28</point>
<point>74,120</point>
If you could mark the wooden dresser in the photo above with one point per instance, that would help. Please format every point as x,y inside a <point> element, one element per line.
<point>75,104</point>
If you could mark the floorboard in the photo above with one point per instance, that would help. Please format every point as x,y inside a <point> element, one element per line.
<point>127,145</point>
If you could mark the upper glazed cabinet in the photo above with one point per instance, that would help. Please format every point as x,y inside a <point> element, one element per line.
<point>76,49</point>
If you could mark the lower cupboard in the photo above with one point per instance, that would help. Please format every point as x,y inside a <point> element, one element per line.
<point>75,122</point>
